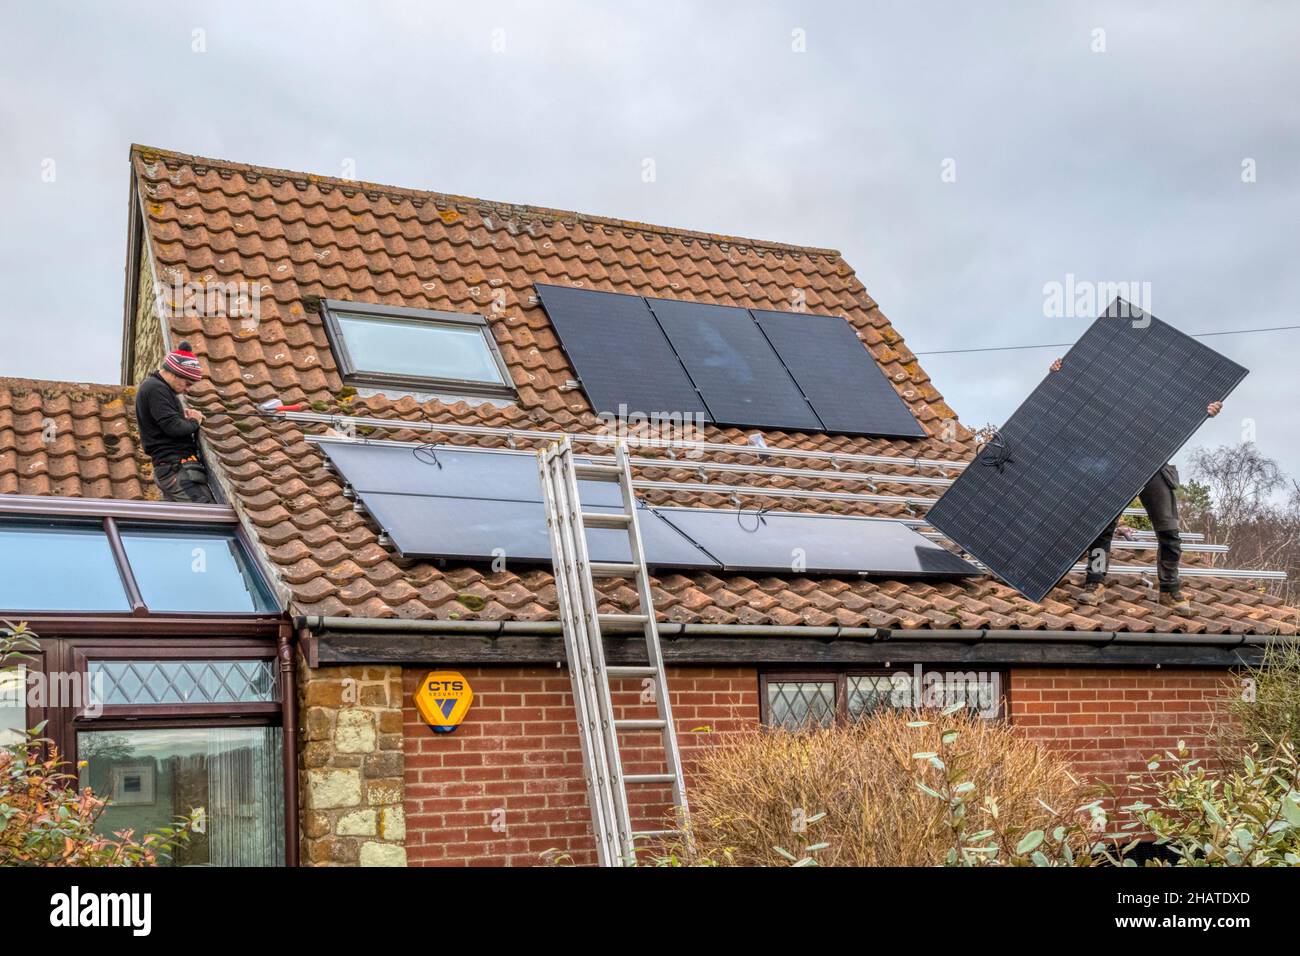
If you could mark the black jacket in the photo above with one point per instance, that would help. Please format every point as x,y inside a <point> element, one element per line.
<point>165,432</point>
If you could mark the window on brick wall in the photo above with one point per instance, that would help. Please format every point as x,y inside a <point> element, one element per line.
<point>794,701</point>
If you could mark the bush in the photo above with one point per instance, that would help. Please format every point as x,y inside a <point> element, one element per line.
<point>46,821</point>
<point>848,795</point>
<point>1266,710</point>
<point>1245,815</point>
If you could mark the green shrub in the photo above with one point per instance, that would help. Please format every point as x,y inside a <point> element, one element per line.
<point>1244,815</point>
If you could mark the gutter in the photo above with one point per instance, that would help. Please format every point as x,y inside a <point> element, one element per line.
<point>318,623</point>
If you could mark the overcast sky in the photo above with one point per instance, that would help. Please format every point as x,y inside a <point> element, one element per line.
<point>962,156</point>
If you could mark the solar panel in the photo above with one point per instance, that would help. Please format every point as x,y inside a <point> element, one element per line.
<point>451,472</point>
<point>1129,395</point>
<point>472,529</point>
<point>814,544</point>
<point>620,353</point>
<point>736,369</point>
<point>840,378</point>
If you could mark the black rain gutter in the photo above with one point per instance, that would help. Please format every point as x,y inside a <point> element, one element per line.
<point>394,640</point>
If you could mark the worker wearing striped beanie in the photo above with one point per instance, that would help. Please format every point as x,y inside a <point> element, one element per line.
<point>169,431</point>
<point>181,361</point>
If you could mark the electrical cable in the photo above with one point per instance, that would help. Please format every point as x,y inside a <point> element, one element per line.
<point>759,513</point>
<point>1066,345</point>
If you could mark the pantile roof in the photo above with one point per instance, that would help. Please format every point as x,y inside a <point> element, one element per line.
<point>301,238</point>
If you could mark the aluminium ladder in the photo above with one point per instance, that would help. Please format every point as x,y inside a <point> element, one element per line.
<point>598,728</point>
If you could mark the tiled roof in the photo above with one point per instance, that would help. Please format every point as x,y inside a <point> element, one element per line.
<point>303,237</point>
<point>71,439</point>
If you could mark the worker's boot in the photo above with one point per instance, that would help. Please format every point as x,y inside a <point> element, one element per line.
<point>1176,603</point>
<point>1093,594</point>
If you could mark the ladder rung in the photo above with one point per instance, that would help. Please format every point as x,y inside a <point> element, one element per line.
<point>622,618</point>
<point>613,569</point>
<point>631,671</point>
<point>639,724</point>
<point>597,472</point>
<point>594,519</point>
<point>648,778</point>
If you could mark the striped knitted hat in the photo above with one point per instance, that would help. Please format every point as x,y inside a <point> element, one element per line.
<point>181,361</point>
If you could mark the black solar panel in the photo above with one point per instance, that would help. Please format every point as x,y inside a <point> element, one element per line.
<point>814,544</point>
<point>451,472</point>
<point>471,529</point>
<point>620,353</point>
<point>736,369</point>
<point>1129,395</point>
<point>840,378</point>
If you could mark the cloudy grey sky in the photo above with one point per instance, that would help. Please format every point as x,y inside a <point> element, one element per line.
<point>1104,140</point>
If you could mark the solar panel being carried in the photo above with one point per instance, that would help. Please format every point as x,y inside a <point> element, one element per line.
<point>739,374</point>
<point>1129,394</point>
<point>620,353</point>
<point>840,378</point>
<point>772,542</point>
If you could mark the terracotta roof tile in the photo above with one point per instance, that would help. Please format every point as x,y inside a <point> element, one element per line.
<point>71,439</point>
<point>303,237</point>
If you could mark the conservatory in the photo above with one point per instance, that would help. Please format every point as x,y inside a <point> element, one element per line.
<point>160,666</point>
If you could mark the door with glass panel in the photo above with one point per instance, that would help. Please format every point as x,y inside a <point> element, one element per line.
<point>200,741</point>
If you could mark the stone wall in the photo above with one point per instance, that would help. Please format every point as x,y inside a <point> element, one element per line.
<point>148,349</point>
<point>351,766</point>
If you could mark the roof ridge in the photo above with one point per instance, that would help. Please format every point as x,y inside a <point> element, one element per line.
<point>147,153</point>
<point>8,381</point>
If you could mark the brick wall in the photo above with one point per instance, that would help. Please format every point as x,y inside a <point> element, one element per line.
<point>1108,722</point>
<point>507,787</point>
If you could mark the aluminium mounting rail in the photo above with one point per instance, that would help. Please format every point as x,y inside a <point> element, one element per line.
<point>1143,540</point>
<point>912,502</point>
<point>595,438</point>
<point>590,678</point>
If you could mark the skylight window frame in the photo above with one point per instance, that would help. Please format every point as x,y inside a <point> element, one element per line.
<point>104,516</point>
<point>333,309</point>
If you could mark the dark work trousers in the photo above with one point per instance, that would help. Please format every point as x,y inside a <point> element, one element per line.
<point>183,480</point>
<point>1162,508</point>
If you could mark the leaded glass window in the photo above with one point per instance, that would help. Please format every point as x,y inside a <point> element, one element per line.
<point>869,693</point>
<point>795,704</point>
<point>179,681</point>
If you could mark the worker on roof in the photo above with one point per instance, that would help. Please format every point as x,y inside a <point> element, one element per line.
<point>1161,503</point>
<point>170,432</point>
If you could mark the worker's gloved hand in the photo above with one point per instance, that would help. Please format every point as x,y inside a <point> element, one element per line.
<point>194,415</point>
<point>1056,366</point>
<point>1124,531</point>
<point>1213,408</point>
